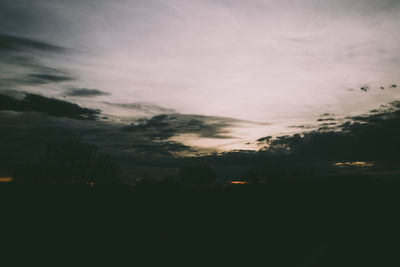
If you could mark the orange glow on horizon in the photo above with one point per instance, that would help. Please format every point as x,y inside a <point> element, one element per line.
<point>6,179</point>
<point>238,182</point>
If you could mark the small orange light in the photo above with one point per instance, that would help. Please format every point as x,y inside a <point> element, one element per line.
<point>238,182</point>
<point>6,179</point>
<point>91,184</point>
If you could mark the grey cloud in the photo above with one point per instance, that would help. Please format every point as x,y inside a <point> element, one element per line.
<point>264,139</point>
<point>161,148</point>
<point>24,136</point>
<point>326,119</point>
<point>297,126</point>
<point>372,136</point>
<point>27,61</point>
<point>46,78</point>
<point>168,125</point>
<point>85,92</point>
<point>145,107</point>
<point>50,106</point>
<point>22,62</point>
<point>9,43</point>
<point>328,123</point>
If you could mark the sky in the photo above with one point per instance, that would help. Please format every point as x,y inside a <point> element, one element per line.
<point>220,73</point>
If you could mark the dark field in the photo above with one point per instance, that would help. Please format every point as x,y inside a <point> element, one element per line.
<point>329,223</point>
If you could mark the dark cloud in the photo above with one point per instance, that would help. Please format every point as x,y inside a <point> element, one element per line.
<point>364,88</point>
<point>45,78</point>
<point>161,148</point>
<point>165,126</point>
<point>302,126</point>
<point>326,119</point>
<point>24,136</point>
<point>373,136</point>
<point>31,121</point>
<point>85,92</point>
<point>393,86</point>
<point>264,139</point>
<point>144,107</point>
<point>328,123</point>
<point>9,43</point>
<point>50,106</point>
<point>22,61</point>
<point>29,62</point>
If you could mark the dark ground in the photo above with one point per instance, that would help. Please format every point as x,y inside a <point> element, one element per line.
<point>313,224</point>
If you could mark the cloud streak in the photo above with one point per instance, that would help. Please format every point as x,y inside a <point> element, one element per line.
<point>85,92</point>
<point>50,106</point>
<point>23,61</point>
<point>9,43</point>
<point>147,108</point>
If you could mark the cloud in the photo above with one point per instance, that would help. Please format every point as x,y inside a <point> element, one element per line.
<point>144,107</point>
<point>160,148</point>
<point>24,136</point>
<point>326,119</point>
<point>22,62</point>
<point>50,106</point>
<point>222,60</point>
<point>85,92</point>
<point>365,88</point>
<point>264,139</point>
<point>9,43</point>
<point>27,61</point>
<point>372,136</point>
<point>165,126</point>
<point>46,78</point>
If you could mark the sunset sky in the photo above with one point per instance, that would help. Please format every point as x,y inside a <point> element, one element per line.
<point>220,73</point>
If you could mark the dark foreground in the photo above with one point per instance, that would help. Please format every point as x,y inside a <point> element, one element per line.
<point>313,224</point>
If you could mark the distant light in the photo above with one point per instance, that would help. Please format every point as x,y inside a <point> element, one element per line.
<point>91,184</point>
<point>6,179</point>
<point>354,164</point>
<point>238,182</point>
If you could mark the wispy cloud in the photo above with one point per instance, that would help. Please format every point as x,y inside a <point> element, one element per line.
<point>85,92</point>
<point>147,108</point>
<point>10,43</point>
<point>23,63</point>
